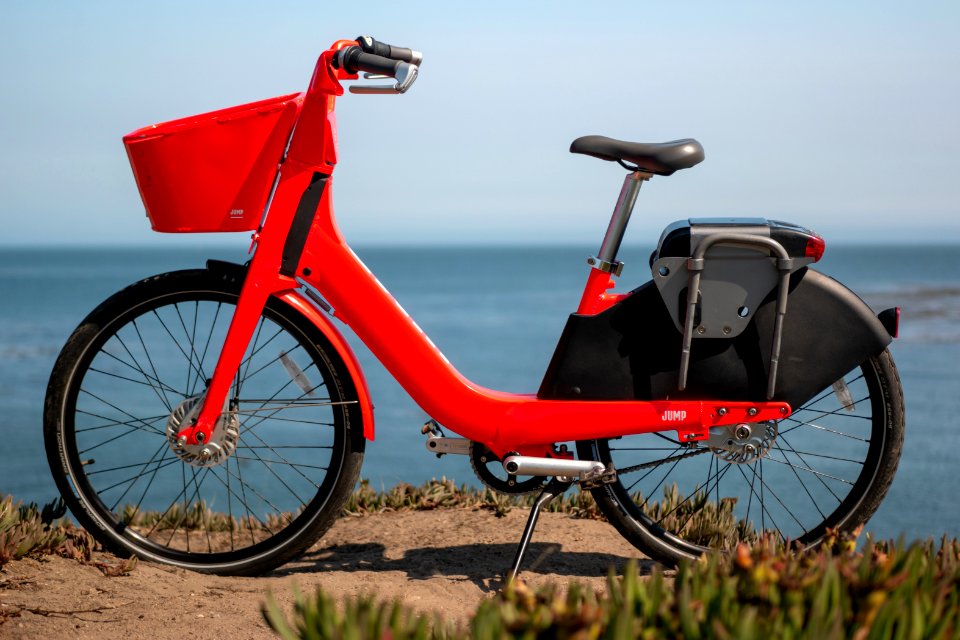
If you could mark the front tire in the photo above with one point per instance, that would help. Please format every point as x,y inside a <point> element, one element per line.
<point>829,467</point>
<point>289,447</point>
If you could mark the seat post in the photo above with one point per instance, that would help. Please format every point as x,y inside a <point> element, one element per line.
<point>607,257</point>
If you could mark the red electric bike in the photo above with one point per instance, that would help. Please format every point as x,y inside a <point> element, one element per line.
<point>215,419</point>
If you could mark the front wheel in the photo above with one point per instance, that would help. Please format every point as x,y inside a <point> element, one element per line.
<point>278,468</point>
<point>827,466</point>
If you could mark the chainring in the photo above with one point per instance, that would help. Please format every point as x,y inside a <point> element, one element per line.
<point>485,464</point>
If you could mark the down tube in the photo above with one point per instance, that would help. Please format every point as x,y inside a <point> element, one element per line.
<point>503,421</point>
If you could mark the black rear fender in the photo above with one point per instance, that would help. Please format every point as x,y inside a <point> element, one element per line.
<point>632,350</point>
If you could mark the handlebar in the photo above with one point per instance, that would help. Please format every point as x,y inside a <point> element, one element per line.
<point>369,45</point>
<point>399,63</point>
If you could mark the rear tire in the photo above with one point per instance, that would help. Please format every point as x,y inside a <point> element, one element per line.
<point>290,446</point>
<point>830,466</point>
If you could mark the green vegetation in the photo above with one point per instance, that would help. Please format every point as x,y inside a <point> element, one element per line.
<point>28,530</point>
<point>881,590</point>
<point>886,590</point>
<point>445,494</point>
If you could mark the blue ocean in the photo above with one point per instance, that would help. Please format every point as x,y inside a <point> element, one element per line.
<point>496,313</point>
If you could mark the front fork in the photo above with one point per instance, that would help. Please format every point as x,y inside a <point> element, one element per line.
<point>263,279</point>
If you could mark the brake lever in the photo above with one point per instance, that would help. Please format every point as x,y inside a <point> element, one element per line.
<point>406,76</point>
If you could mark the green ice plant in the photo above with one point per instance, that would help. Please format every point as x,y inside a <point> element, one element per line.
<point>763,590</point>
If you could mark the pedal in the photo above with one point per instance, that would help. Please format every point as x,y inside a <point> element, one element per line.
<point>431,426</point>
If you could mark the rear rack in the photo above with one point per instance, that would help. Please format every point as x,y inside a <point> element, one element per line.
<point>695,265</point>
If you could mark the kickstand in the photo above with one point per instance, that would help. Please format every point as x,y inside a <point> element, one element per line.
<point>553,489</point>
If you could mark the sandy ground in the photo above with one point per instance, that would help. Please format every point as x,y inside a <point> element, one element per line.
<point>443,561</point>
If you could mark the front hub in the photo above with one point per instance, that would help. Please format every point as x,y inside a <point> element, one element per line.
<point>214,450</point>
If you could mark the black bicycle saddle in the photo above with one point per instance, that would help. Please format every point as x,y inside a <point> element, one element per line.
<point>660,158</point>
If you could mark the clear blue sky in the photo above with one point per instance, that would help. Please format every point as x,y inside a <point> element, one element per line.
<point>843,116</point>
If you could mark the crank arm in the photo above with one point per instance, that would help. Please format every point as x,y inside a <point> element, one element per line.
<point>442,444</point>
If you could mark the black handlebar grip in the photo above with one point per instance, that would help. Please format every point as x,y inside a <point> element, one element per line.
<point>353,59</point>
<point>369,45</point>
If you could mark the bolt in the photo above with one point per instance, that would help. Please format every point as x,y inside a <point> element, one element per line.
<point>752,411</point>
<point>701,329</point>
<point>722,411</point>
<point>201,437</point>
<point>726,331</point>
<point>783,410</point>
<point>743,432</point>
<point>205,453</point>
<point>181,441</point>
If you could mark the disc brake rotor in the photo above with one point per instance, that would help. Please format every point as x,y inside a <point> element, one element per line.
<point>221,444</point>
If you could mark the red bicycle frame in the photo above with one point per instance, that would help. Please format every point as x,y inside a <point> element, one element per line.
<point>300,242</point>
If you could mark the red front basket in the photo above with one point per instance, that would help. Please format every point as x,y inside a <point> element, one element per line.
<point>213,171</point>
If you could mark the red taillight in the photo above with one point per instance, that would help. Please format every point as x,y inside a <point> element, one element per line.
<point>815,248</point>
<point>890,319</point>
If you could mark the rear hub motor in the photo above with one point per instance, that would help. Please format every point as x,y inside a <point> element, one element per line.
<point>743,443</point>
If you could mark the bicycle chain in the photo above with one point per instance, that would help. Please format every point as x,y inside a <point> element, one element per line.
<point>657,463</point>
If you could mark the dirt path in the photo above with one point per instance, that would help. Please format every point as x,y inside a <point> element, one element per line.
<point>442,561</point>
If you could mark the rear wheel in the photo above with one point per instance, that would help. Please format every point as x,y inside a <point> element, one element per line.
<point>826,466</point>
<point>273,475</point>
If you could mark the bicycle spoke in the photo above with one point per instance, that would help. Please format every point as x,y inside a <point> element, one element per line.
<point>264,500</point>
<point>719,476</point>
<point>108,441</point>
<point>143,494</point>
<point>707,489</point>
<point>664,479</point>
<point>248,376</point>
<point>777,498</point>
<point>146,352</point>
<point>282,461</point>
<point>804,485</point>
<point>825,475</point>
<point>275,474</point>
<point>177,344</point>
<point>816,426</point>
<point>254,350</point>
<point>191,337</point>
<point>132,479</point>
<point>822,482</point>
<point>764,512</point>
<point>132,417</point>
<point>640,479</point>
<point>161,393</point>
<point>825,394</point>
<point>115,423</point>
<point>150,381</point>
<point>187,503</point>
<point>206,346</point>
